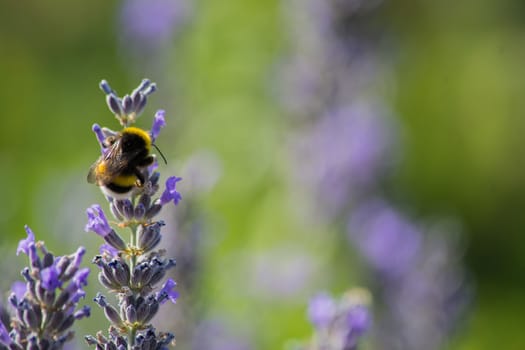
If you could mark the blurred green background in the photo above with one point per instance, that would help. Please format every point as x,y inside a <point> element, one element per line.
<point>459,87</point>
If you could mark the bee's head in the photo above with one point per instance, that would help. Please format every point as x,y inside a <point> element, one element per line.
<point>135,139</point>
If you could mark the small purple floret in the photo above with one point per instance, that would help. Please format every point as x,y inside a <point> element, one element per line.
<point>97,221</point>
<point>168,292</point>
<point>99,134</point>
<point>81,276</point>
<point>170,193</point>
<point>108,249</point>
<point>50,280</point>
<point>77,257</point>
<point>158,123</point>
<point>24,244</point>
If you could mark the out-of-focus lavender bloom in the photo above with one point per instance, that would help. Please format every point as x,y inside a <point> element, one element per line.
<point>149,25</point>
<point>388,240</point>
<point>333,84</point>
<point>339,324</point>
<point>333,59</point>
<point>343,155</point>
<point>422,285</point>
<point>321,310</point>
<point>133,270</point>
<point>45,306</point>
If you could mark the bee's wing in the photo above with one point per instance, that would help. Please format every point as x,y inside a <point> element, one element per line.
<point>92,176</point>
<point>111,160</point>
<point>114,160</point>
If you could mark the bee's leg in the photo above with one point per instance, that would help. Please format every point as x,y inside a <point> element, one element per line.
<point>140,177</point>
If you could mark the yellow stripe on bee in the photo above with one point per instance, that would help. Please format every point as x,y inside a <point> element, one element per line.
<point>101,168</point>
<point>124,180</point>
<point>141,133</point>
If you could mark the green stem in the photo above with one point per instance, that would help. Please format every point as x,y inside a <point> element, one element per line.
<point>133,242</point>
<point>131,337</point>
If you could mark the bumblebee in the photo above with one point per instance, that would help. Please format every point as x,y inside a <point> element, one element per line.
<point>121,169</point>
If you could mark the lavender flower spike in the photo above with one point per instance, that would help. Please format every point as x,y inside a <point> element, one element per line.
<point>45,306</point>
<point>339,324</point>
<point>134,270</point>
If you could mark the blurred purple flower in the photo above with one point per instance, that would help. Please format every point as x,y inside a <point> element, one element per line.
<point>342,155</point>
<point>389,242</point>
<point>321,310</point>
<point>359,322</point>
<point>334,84</point>
<point>148,25</point>
<point>339,324</point>
<point>422,284</point>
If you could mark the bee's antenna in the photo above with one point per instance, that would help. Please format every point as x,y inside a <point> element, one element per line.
<point>162,155</point>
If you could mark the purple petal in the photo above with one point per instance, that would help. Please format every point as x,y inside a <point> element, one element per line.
<point>49,277</point>
<point>108,249</point>
<point>19,288</point>
<point>99,134</point>
<point>24,244</point>
<point>80,278</point>
<point>77,295</point>
<point>84,312</point>
<point>77,257</point>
